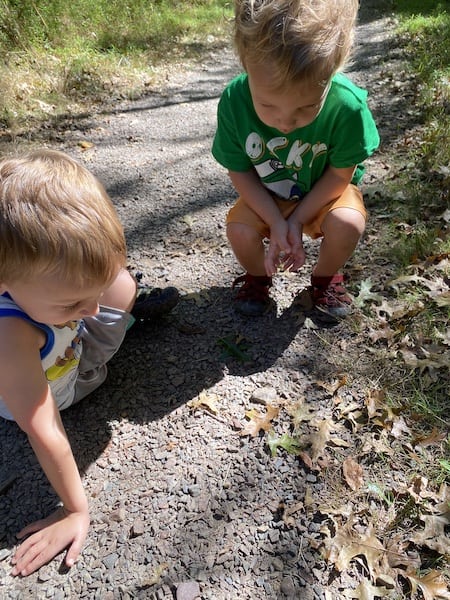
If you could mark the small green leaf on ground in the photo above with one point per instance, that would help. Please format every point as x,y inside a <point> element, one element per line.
<point>234,347</point>
<point>285,441</point>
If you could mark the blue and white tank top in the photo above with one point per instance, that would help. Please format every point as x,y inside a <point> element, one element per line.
<point>60,354</point>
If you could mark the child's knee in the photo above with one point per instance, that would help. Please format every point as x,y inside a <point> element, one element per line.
<point>348,221</point>
<point>240,233</point>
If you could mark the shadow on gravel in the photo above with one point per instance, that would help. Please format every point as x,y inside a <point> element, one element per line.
<point>160,367</point>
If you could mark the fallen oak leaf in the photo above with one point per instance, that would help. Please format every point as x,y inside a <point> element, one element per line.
<point>205,400</point>
<point>332,388</point>
<point>259,421</point>
<point>375,402</point>
<point>435,437</point>
<point>367,591</point>
<point>432,585</point>
<point>433,535</point>
<point>366,295</point>
<point>353,473</point>
<point>348,544</point>
<point>433,361</point>
<point>320,439</point>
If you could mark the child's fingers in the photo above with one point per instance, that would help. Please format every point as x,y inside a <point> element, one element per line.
<point>30,555</point>
<point>73,552</point>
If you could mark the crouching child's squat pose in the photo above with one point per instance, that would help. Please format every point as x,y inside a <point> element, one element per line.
<point>293,132</point>
<point>66,303</point>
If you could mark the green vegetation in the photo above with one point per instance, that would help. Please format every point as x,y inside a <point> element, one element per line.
<point>425,28</point>
<point>420,192</point>
<point>60,57</point>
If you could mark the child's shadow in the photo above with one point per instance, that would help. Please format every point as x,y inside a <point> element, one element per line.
<point>160,366</point>
<point>163,365</point>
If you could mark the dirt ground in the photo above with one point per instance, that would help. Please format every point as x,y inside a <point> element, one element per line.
<point>183,506</point>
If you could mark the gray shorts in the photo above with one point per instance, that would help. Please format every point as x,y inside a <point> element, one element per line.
<point>102,337</point>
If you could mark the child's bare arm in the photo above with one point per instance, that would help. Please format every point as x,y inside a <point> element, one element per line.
<point>25,391</point>
<point>252,191</point>
<point>330,186</point>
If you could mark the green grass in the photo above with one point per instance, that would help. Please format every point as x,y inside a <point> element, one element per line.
<point>425,28</point>
<point>60,57</point>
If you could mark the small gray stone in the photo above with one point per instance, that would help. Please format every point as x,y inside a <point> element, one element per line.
<point>277,564</point>
<point>287,587</point>
<point>194,490</point>
<point>110,560</point>
<point>265,395</point>
<point>188,590</point>
<point>4,553</point>
<point>138,528</point>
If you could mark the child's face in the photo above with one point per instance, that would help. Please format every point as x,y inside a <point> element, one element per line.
<point>287,109</point>
<point>52,301</point>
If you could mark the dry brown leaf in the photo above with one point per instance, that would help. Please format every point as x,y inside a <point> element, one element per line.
<point>433,536</point>
<point>377,442</point>
<point>375,402</point>
<point>300,412</point>
<point>433,361</point>
<point>320,439</point>
<point>399,553</point>
<point>348,544</point>
<point>384,332</point>
<point>85,145</point>
<point>418,489</point>
<point>205,400</point>
<point>435,437</point>
<point>259,421</point>
<point>333,387</point>
<point>353,473</point>
<point>399,427</point>
<point>366,591</point>
<point>432,585</point>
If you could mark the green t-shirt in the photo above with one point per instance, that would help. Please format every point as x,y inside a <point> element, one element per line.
<point>343,134</point>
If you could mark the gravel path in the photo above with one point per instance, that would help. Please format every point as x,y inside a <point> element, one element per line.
<point>183,506</point>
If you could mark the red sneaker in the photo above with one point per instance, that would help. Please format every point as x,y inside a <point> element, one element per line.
<point>252,298</point>
<point>330,296</point>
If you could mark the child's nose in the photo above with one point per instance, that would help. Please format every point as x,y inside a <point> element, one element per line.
<point>286,124</point>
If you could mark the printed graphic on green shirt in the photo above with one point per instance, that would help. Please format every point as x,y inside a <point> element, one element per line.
<point>342,135</point>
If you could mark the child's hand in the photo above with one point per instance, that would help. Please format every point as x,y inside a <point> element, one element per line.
<point>50,536</point>
<point>297,257</point>
<point>279,247</point>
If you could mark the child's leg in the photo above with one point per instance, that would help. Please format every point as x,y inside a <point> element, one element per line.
<point>122,293</point>
<point>104,333</point>
<point>341,225</point>
<point>342,229</point>
<point>102,336</point>
<point>246,243</point>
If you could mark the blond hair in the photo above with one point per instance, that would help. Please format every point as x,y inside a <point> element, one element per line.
<point>301,40</point>
<point>56,218</point>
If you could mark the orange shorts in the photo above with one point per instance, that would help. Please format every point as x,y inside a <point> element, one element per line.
<point>242,213</point>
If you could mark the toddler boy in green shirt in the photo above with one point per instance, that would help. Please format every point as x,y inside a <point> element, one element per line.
<point>293,133</point>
